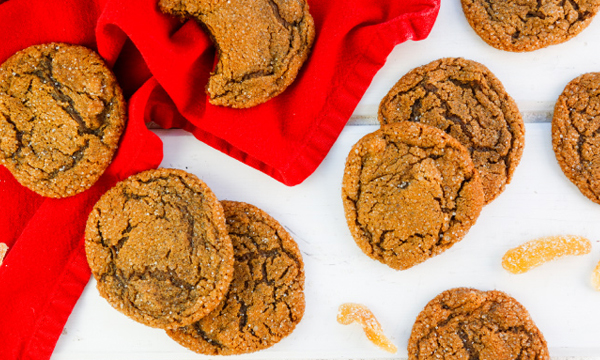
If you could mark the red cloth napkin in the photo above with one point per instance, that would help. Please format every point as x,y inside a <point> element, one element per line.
<point>164,66</point>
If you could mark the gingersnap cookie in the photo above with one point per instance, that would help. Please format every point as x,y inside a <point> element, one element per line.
<point>266,297</point>
<point>158,247</point>
<point>61,117</point>
<point>528,25</point>
<point>467,323</point>
<point>575,133</point>
<point>463,98</point>
<point>410,191</point>
<point>262,45</point>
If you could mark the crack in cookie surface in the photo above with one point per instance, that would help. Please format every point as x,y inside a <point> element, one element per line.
<point>576,133</point>
<point>468,102</point>
<point>470,324</point>
<point>61,117</point>
<point>158,247</point>
<point>410,192</point>
<point>261,44</point>
<point>517,25</point>
<point>265,300</point>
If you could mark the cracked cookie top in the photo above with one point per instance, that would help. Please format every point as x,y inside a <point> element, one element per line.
<point>158,247</point>
<point>576,133</point>
<point>265,300</point>
<point>262,45</point>
<point>410,191</point>
<point>463,98</point>
<point>467,323</point>
<point>527,25</point>
<point>61,117</point>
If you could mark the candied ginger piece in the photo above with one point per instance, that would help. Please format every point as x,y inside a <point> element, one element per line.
<point>536,252</point>
<point>350,312</point>
<point>596,277</point>
<point>3,250</point>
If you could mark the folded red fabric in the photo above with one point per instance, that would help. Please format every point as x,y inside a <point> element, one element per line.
<point>287,137</point>
<point>164,66</point>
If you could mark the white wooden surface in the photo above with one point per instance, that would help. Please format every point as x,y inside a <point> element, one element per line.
<point>540,201</point>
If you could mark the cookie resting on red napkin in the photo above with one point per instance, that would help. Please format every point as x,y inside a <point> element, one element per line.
<point>163,65</point>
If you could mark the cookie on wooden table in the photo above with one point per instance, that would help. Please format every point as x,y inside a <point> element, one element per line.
<point>463,98</point>
<point>410,191</point>
<point>528,25</point>
<point>262,45</point>
<point>576,135</point>
<point>158,247</point>
<point>265,301</point>
<point>61,117</point>
<point>465,323</point>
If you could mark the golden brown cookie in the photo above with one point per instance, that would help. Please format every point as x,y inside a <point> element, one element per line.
<point>265,300</point>
<point>467,323</point>
<point>61,116</point>
<point>528,25</point>
<point>463,98</point>
<point>410,191</point>
<point>576,135</point>
<point>262,45</point>
<point>158,247</point>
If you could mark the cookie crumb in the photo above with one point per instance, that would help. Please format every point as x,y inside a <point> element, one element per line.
<point>351,312</point>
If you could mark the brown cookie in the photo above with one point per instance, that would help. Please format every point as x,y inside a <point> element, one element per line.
<point>61,116</point>
<point>463,98</point>
<point>575,133</point>
<point>467,323</point>
<point>528,25</point>
<point>262,45</point>
<point>265,300</point>
<point>410,191</point>
<point>158,247</point>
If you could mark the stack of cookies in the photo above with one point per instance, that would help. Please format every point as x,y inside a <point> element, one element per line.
<point>450,140</point>
<point>220,277</point>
